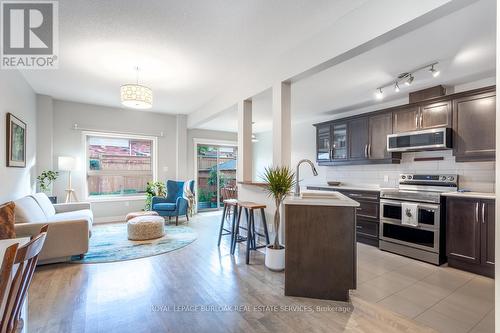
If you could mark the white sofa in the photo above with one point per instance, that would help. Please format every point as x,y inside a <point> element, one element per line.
<point>69,224</point>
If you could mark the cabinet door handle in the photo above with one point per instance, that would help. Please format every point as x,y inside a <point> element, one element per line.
<point>416,120</point>
<point>483,208</point>
<point>477,212</point>
<point>421,120</point>
<point>369,150</point>
<point>366,151</point>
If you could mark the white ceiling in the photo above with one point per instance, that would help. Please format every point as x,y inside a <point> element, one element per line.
<point>187,50</point>
<point>463,42</point>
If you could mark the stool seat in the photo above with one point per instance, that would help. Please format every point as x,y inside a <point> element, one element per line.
<point>230,202</point>
<point>142,213</point>
<point>251,205</point>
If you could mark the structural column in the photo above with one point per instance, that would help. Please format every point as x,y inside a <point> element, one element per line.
<point>282,124</point>
<point>244,170</point>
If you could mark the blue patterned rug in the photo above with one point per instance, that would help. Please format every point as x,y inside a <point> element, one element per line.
<point>109,243</point>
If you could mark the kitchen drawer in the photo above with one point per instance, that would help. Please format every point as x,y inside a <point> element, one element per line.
<point>367,228</point>
<point>368,209</point>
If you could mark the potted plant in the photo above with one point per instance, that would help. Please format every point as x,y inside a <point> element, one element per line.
<point>45,181</point>
<point>280,182</point>
<point>203,199</point>
<point>153,189</point>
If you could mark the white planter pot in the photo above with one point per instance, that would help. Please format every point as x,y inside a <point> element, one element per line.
<point>275,259</point>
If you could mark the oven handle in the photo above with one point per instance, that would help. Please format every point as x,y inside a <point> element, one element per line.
<point>418,227</point>
<point>477,212</point>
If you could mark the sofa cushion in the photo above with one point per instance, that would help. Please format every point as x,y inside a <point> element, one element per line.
<point>7,220</point>
<point>28,210</point>
<point>43,201</point>
<point>164,206</point>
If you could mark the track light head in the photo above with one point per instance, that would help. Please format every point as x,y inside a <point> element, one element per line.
<point>434,72</point>
<point>396,87</point>
<point>409,80</point>
<point>379,94</point>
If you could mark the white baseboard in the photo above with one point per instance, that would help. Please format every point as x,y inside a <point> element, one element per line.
<point>109,219</point>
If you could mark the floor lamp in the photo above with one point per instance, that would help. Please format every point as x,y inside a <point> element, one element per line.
<point>67,163</point>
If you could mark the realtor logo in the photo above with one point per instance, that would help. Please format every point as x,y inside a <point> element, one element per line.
<point>29,34</point>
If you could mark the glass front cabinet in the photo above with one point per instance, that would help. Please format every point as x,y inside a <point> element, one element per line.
<point>331,142</point>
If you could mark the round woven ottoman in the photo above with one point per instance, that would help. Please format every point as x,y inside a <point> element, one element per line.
<point>145,227</point>
<point>142,213</point>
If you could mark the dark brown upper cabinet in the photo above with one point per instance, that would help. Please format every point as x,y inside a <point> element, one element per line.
<point>435,115</point>
<point>474,127</point>
<point>470,234</point>
<point>358,139</point>
<point>363,139</point>
<point>423,116</point>
<point>379,127</point>
<point>406,119</point>
<point>323,142</point>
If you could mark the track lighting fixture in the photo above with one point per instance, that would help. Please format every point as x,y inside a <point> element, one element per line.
<point>406,78</point>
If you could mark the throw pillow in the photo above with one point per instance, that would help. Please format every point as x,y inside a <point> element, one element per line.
<point>7,220</point>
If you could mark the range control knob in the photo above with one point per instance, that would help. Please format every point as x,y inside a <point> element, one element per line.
<point>443,178</point>
<point>410,177</point>
<point>403,177</point>
<point>451,178</point>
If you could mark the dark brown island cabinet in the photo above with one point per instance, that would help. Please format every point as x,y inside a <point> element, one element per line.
<point>470,234</point>
<point>362,139</point>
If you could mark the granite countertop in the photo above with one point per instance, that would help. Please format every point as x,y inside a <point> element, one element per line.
<point>345,187</point>
<point>477,195</point>
<point>337,199</point>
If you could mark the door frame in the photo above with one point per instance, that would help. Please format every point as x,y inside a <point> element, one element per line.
<point>213,142</point>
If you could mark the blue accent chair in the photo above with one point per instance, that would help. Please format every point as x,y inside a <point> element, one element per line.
<point>174,204</point>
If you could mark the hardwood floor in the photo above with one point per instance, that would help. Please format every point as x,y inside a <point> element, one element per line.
<point>166,293</point>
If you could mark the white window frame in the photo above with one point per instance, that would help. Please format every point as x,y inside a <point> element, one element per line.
<point>154,163</point>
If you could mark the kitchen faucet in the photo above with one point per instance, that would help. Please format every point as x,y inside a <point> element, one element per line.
<point>297,186</point>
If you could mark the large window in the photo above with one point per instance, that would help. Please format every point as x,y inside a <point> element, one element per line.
<point>119,165</point>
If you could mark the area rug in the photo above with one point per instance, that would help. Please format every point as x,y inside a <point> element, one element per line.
<point>109,243</point>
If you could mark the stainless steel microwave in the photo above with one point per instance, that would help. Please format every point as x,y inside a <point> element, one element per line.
<point>430,139</point>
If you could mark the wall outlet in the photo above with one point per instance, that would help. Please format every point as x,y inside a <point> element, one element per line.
<point>386,178</point>
<point>126,203</point>
<point>165,169</point>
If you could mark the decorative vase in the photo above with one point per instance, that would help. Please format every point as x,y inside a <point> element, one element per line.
<point>275,258</point>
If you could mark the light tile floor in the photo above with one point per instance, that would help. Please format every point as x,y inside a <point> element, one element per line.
<point>443,298</point>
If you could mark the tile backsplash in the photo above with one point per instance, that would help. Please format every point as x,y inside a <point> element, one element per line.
<point>474,176</point>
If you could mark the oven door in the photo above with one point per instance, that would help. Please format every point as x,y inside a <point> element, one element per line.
<point>424,236</point>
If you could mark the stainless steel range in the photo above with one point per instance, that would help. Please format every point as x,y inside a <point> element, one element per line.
<point>410,217</point>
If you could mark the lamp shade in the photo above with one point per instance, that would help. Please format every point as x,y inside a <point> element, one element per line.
<point>66,163</point>
<point>136,96</point>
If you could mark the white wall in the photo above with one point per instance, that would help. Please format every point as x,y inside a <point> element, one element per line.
<point>262,154</point>
<point>68,142</point>
<point>17,97</point>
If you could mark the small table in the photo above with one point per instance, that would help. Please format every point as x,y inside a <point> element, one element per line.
<point>4,244</point>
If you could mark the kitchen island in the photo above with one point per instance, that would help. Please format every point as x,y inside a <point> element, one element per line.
<point>320,235</point>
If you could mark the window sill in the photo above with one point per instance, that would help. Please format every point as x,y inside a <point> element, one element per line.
<point>112,199</point>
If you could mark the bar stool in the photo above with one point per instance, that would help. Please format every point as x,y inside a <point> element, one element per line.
<point>249,208</point>
<point>228,205</point>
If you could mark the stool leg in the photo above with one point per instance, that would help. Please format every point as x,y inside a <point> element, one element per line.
<point>249,239</point>
<point>254,238</point>
<point>222,224</point>
<point>236,232</point>
<point>265,225</point>
<point>235,211</point>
